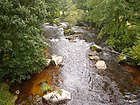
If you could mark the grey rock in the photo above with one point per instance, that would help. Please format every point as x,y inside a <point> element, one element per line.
<point>64,25</point>
<point>94,57</point>
<point>56,97</point>
<point>93,53</point>
<point>101,65</point>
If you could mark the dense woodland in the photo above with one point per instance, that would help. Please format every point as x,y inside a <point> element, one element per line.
<point>22,42</point>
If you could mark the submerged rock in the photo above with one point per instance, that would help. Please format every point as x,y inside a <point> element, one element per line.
<point>33,100</point>
<point>101,65</point>
<point>96,48</point>
<point>57,97</point>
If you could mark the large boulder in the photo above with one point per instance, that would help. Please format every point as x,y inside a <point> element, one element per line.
<point>101,65</point>
<point>96,48</point>
<point>57,97</point>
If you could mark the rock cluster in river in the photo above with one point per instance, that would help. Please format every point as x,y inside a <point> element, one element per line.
<point>52,31</point>
<point>100,64</point>
<point>96,48</point>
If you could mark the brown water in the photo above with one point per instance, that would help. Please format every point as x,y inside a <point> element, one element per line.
<point>32,87</point>
<point>134,71</point>
<point>88,85</point>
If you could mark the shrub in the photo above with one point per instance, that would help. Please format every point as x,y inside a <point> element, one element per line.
<point>21,43</point>
<point>6,98</point>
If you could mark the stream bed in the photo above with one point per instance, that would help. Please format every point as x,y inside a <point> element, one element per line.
<point>88,85</point>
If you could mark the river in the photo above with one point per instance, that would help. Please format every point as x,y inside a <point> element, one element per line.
<point>88,85</point>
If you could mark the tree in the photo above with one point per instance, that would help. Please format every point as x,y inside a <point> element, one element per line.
<point>63,6</point>
<point>119,21</point>
<point>53,11</point>
<point>21,43</point>
<point>74,15</point>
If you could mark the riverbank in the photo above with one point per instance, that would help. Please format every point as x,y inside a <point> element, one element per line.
<point>79,75</point>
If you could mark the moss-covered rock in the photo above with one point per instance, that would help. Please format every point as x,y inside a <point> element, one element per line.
<point>68,32</point>
<point>121,58</point>
<point>96,48</point>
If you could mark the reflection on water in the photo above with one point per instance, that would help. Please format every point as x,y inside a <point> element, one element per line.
<point>134,71</point>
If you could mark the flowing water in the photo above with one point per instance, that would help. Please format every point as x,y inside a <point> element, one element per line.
<point>88,85</point>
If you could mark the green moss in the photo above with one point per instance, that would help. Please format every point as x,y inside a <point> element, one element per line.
<point>96,48</point>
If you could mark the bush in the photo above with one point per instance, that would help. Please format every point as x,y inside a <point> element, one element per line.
<point>6,98</point>
<point>21,43</point>
<point>134,52</point>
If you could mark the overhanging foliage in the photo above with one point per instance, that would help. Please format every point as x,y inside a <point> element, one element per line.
<point>21,43</point>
